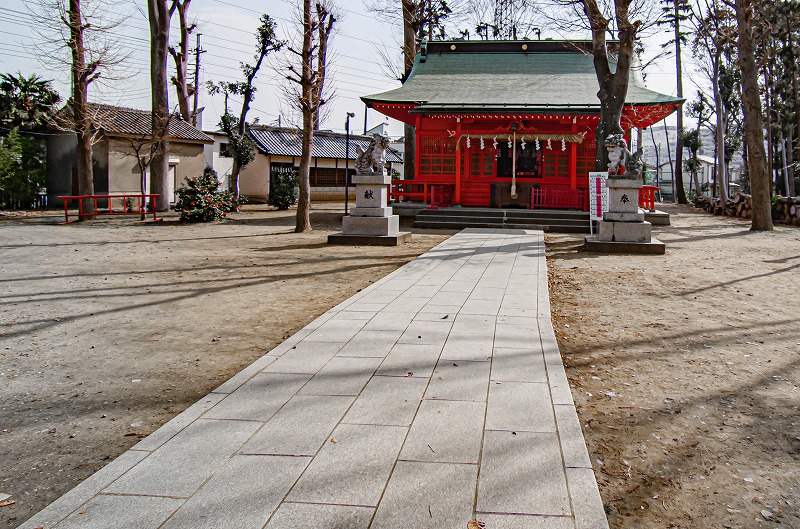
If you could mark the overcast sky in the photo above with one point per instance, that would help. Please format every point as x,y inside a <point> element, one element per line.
<point>227,28</point>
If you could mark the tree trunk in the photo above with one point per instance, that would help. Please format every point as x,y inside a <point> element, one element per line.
<point>753,124</point>
<point>80,106</point>
<point>679,141</point>
<point>181,59</point>
<point>159,16</point>
<point>722,174</point>
<point>409,53</point>
<point>303,219</point>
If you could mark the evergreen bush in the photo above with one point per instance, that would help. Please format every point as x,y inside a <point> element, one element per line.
<point>283,191</point>
<point>200,200</point>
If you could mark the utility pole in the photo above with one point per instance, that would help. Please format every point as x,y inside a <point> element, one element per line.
<point>197,52</point>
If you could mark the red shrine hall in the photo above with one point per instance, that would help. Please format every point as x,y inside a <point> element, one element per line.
<point>494,117</point>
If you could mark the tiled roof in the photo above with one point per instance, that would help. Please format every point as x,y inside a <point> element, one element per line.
<point>135,122</point>
<point>286,142</point>
<point>508,76</point>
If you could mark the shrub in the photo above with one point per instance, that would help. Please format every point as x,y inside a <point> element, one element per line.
<point>283,190</point>
<point>200,200</point>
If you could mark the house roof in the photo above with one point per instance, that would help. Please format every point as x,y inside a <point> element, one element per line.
<point>133,122</point>
<point>508,76</point>
<point>282,141</point>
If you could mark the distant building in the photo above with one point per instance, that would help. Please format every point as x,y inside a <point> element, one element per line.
<point>115,165</point>
<point>279,151</point>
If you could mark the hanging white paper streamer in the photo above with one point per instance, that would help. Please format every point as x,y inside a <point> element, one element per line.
<point>549,146</point>
<point>494,144</point>
<point>482,144</point>
<point>538,146</point>
<point>563,144</point>
<point>468,143</point>
<point>509,142</point>
<point>523,143</point>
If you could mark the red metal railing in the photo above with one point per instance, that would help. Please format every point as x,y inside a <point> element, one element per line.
<point>647,197</point>
<point>400,190</point>
<point>127,207</point>
<point>555,198</point>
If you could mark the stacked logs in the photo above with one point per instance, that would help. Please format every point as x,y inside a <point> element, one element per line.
<point>784,209</point>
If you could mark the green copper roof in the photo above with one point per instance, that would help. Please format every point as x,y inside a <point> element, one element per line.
<point>547,76</point>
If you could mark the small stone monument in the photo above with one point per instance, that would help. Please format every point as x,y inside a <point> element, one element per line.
<point>371,221</point>
<point>623,228</point>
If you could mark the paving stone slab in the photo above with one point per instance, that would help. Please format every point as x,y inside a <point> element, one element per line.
<point>244,375</point>
<point>427,495</point>
<point>306,357</point>
<point>446,432</point>
<point>526,521</point>
<point>241,495</point>
<point>388,401</point>
<point>473,347</point>
<point>586,501</point>
<point>342,375</point>
<point>517,336</point>
<point>371,343</point>
<point>178,423</point>
<point>520,406</point>
<point>474,324</point>
<point>406,304</point>
<point>426,332</point>
<point>317,515</point>
<point>390,321</point>
<point>259,398</point>
<point>335,331</point>
<point>186,461</point>
<point>122,512</point>
<point>354,470</point>
<point>85,491</point>
<point>410,359</point>
<point>573,445</point>
<point>480,306</point>
<point>459,380</point>
<point>300,428</point>
<point>521,473</point>
<point>518,365</point>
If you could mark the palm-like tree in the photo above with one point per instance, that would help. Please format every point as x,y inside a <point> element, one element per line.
<point>26,102</point>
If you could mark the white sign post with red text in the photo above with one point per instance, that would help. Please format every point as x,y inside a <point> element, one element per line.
<point>598,197</point>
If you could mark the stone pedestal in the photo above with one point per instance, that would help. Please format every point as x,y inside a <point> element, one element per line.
<point>623,228</point>
<point>371,221</point>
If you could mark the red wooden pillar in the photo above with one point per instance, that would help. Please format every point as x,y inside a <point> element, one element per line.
<point>418,143</point>
<point>457,160</point>
<point>573,159</point>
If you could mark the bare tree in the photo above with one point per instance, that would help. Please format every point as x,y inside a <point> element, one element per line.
<point>180,57</point>
<point>604,18</point>
<point>240,146</point>
<point>159,14</point>
<point>85,30</point>
<point>753,123</point>
<point>307,74</point>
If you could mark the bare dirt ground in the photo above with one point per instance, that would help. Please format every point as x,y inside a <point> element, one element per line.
<point>685,370</point>
<point>108,329</point>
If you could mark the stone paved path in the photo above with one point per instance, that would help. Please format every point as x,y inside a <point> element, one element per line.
<point>435,396</point>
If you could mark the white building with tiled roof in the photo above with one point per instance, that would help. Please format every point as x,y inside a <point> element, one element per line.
<point>116,169</point>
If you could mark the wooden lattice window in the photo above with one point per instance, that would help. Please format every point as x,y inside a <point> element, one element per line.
<point>482,163</point>
<point>437,156</point>
<point>555,163</point>
<point>323,176</point>
<point>586,158</point>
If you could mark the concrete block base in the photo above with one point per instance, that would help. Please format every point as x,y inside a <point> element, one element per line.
<point>623,217</point>
<point>624,231</point>
<point>371,225</point>
<point>370,240</point>
<point>370,212</point>
<point>654,247</point>
<point>657,218</point>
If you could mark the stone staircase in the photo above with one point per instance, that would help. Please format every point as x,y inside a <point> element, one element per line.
<point>549,220</point>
